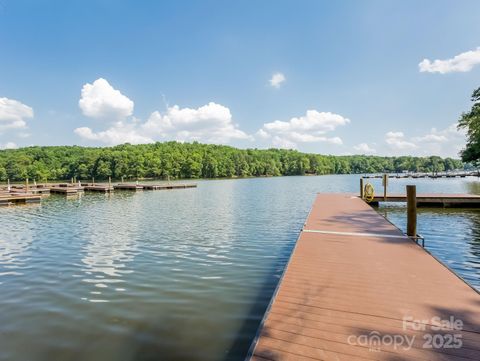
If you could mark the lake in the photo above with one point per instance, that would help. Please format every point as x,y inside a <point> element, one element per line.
<point>176,275</point>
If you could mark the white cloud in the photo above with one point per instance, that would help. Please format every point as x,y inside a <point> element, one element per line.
<point>211,123</point>
<point>277,79</point>
<point>101,101</point>
<point>460,63</point>
<point>312,127</point>
<point>445,142</point>
<point>364,148</point>
<point>9,145</point>
<point>13,114</point>
<point>283,143</point>
<point>119,133</point>
<point>396,140</point>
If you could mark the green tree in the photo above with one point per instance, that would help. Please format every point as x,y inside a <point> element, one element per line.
<point>470,121</point>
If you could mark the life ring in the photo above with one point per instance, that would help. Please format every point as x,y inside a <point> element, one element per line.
<point>368,193</point>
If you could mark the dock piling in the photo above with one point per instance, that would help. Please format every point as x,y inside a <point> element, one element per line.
<point>361,187</point>
<point>385,184</point>
<point>411,211</point>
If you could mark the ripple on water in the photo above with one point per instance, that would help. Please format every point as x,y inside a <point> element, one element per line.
<point>183,274</point>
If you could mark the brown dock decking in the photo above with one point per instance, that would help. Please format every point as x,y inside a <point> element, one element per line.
<point>105,188</point>
<point>434,199</point>
<point>135,187</point>
<point>169,186</point>
<point>66,190</point>
<point>127,186</point>
<point>18,198</point>
<point>354,283</point>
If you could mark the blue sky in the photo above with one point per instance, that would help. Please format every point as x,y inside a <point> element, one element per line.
<point>107,72</point>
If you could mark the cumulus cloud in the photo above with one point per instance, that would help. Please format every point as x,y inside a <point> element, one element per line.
<point>445,142</point>
<point>277,79</point>
<point>312,127</point>
<point>396,140</point>
<point>119,133</point>
<point>460,63</point>
<point>211,123</point>
<point>13,114</point>
<point>100,100</point>
<point>364,148</point>
<point>9,145</point>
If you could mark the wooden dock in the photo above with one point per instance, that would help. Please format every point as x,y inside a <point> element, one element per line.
<point>426,175</point>
<point>434,200</point>
<point>128,187</point>
<point>67,191</point>
<point>354,284</point>
<point>7,199</point>
<point>169,186</point>
<point>102,188</point>
<point>136,187</point>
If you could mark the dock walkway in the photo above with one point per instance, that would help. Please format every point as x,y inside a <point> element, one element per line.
<point>355,283</point>
<point>434,200</point>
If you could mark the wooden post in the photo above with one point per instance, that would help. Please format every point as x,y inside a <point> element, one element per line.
<point>93,181</point>
<point>26,185</point>
<point>109,182</point>
<point>8,185</point>
<point>361,187</point>
<point>411,211</point>
<point>122,178</point>
<point>385,184</point>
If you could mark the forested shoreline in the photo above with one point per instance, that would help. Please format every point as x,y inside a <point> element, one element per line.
<point>175,160</point>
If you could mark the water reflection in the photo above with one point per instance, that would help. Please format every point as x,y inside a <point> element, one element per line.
<point>110,246</point>
<point>14,248</point>
<point>187,274</point>
<point>452,235</point>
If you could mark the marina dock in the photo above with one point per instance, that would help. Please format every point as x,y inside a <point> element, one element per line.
<point>433,200</point>
<point>20,193</point>
<point>136,187</point>
<point>354,284</point>
<point>66,190</point>
<point>7,199</point>
<point>458,174</point>
<point>128,187</point>
<point>102,188</point>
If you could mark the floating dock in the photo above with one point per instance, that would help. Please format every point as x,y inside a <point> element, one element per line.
<point>105,188</point>
<point>68,191</point>
<point>7,199</point>
<point>128,187</point>
<point>354,283</point>
<point>426,175</point>
<point>434,200</point>
<point>22,194</point>
<point>136,187</point>
<point>168,186</point>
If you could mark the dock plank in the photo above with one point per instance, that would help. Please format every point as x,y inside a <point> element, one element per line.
<point>339,287</point>
<point>434,199</point>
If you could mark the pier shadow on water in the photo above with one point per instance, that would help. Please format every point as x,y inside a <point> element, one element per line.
<point>162,338</point>
<point>251,325</point>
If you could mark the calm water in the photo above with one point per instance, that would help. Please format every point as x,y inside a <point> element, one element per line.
<point>175,275</point>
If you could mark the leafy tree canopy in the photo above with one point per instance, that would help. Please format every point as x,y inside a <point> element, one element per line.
<point>470,121</point>
<point>194,160</point>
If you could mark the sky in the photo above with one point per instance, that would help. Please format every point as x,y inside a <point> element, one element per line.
<point>331,77</point>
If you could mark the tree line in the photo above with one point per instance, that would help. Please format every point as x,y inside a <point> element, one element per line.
<point>174,160</point>
<point>470,121</point>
